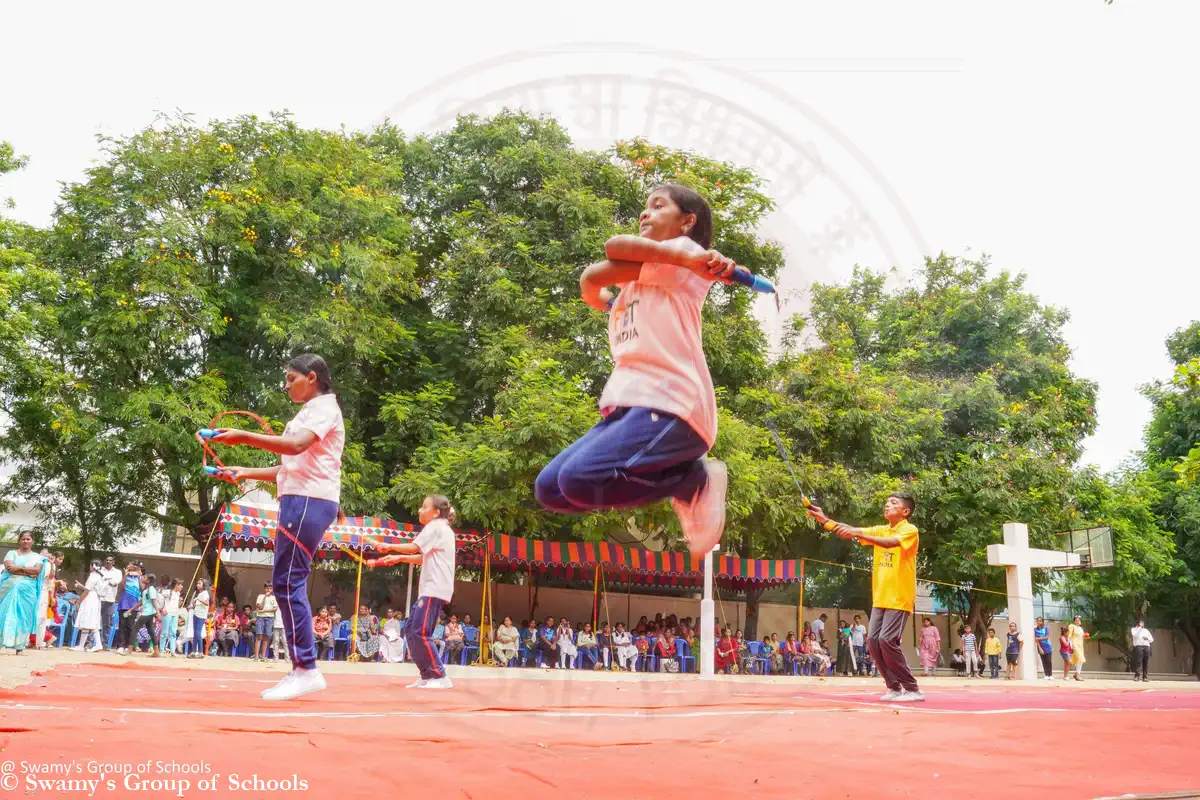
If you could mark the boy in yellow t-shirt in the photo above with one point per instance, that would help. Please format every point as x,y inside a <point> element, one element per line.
<point>893,589</point>
<point>992,650</point>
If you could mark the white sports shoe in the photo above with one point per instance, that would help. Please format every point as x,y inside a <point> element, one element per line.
<point>303,681</point>
<point>77,648</point>
<point>891,694</point>
<point>438,683</point>
<point>703,519</point>
<point>284,681</point>
<point>417,684</point>
<point>910,697</point>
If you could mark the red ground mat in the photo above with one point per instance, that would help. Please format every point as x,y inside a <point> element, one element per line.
<point>531,738</point>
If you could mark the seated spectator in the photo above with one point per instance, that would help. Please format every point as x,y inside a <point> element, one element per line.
<point>726,653</point>
<point>366,628</point>
<point>665,650</point>
<point>588,647</point>
<point>623,647</point>
<point>438,637</point>
<point>466,622</point>
<point>564,640</point>
<point>323,633</point>
<point>246,621</point>
<point>790,653</point>
<point>486,639</point>
<point>641,627</point>
<point>391,638</point>
<point>228,630</point>
<point>454,640</point>
<point>529,641</point>
<point>958,662</point>
<point>642,643</point>
<point>604,644</point>
<point>819,659</point>
<point>547,645</point>
<point>505,647</point>
<point>767,654</point>
<point>335,617</point>
<point>745,659</point>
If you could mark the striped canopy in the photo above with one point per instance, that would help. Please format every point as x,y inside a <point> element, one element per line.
<point>252,528</point>
<point>249,527</point>
<point>636,566</point>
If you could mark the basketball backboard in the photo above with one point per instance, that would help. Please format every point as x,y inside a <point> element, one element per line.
<point>1094,547</point>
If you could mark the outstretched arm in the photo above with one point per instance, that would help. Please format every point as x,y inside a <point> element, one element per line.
<point>706,263</point>
<point>290,445</point>
<point>270,474</point>
<point>848,532</point>
<point>595,280</point>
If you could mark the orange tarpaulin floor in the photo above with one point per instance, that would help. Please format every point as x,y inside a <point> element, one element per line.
<point>499,737</point>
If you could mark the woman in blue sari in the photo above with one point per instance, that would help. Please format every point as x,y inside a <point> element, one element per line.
<point>21,585</point>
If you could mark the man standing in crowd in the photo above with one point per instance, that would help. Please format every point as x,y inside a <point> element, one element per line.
<point>110,579</point>
<point>1142,639</point>
<point>858,639</point>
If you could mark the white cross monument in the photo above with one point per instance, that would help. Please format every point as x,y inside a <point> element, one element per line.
<point>1018,558</point>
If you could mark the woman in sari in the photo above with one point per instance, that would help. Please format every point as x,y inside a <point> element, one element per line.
<point>1077,635</point>
<point>368,633</point>
<point>391,638</point>
<point>505,648</point>
<point>931,645</point>
<point>22,586</point>
<point>726,655</point>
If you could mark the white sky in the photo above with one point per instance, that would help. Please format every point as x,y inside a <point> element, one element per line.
<point>1056,137</point>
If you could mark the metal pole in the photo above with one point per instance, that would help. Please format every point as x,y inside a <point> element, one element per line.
<point>708,652</point>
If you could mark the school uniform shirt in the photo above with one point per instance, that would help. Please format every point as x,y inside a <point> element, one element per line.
<point>269,606</point>
<point>200,611</point>
<point>148,607</point>
<point>317,472</point>
<point>858,635</point>
<point>1141,637</point>
<point>1042,634</point>
<point>436,543</point>
<point>107,591</point>
<point>894,576</point>
<point>654,333</point>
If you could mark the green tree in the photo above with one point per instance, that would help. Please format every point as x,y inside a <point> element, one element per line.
<point>956,386</point>
<point>1172,436</point>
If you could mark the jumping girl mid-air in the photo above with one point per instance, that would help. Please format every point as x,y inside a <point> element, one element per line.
<point>659,407</point>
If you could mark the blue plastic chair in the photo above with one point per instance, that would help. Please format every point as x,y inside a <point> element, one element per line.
<point>683,654</point>
<point>756,659</point>
<point>342,637</point>
<point>470,643</point>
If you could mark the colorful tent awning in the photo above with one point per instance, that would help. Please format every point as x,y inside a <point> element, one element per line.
<point>633,565</point>
<point>242,526</point>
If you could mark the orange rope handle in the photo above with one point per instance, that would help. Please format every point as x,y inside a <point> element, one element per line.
<point>385,547</point>
<point>208,451</point>
<point>386,561</point>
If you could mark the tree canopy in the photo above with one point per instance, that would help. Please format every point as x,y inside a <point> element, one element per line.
<point>438,275</point>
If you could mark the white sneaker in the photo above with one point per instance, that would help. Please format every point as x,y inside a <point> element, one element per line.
<point>303,681</point>
<point>121,651</point>
<point>417,684</point>
<point>1049,677</point>
<point>890,695</point>
<point>77,648</point>
<point>284,681</point>
<point>438,683</point>
<point>96,649</point>
<point>910,697</point>
<point>703,519</point>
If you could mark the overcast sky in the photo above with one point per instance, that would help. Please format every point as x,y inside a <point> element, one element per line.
<point>1056,137</point>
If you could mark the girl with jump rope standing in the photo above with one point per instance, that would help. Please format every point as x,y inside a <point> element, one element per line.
<point>309,478</point>
<point>433,551</point>
<point>659,406</point>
